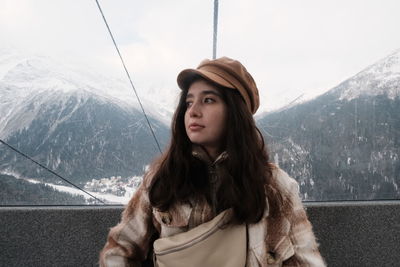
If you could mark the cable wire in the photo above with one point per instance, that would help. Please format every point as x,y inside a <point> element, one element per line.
<point>215,29</point>
<point>129,77</point>
<point>44,167</point>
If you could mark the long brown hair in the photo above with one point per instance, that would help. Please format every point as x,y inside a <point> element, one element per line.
<point>247,175</point>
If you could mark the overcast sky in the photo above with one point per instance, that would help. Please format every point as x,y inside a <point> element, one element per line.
<point>290,47</point>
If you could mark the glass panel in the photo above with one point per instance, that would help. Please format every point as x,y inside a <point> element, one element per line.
<point>328,74</point>
<point>66,101</point>
<point>329,80</point>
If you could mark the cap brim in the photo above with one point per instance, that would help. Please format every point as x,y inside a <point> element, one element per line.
<point>186,77</point>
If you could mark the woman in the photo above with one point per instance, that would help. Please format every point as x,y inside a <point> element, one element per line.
<point>216,162</point>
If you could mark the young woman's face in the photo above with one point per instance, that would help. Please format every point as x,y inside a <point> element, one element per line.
<point>205,116</point>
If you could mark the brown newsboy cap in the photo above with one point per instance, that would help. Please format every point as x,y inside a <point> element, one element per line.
<point>226,72</point>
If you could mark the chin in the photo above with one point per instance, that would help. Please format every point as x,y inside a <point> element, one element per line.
<point>196,141</point>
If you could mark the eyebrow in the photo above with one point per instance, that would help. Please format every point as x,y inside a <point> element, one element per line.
<point>205,92</point>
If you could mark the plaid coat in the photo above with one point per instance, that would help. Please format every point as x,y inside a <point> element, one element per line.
<point>285,240</point>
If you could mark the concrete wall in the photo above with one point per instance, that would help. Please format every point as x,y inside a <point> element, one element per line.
<point>349,233</point>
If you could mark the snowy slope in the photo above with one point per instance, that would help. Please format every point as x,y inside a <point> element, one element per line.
<point>381,78</point>
<point>69,119</point>
<point>76,121</point>
<point>24,77</point>
<point>344,143</point>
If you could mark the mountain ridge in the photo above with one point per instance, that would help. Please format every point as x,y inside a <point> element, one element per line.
<point>343,144</point>
<point>71,126</point>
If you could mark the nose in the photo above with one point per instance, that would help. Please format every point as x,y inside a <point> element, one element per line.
<point>194,110</point>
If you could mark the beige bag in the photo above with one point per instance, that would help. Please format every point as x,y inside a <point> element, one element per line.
<point>205,245</point>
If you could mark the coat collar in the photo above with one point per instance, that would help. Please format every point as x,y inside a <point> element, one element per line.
<point>199,153</point>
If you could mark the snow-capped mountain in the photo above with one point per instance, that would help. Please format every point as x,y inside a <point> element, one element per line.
<point>343,144</point>
<point>70,120</point>
<point>381,78</point>
<point>24,77</point>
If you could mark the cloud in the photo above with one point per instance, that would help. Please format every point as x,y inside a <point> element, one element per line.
<point>290,47</point>
<point>296,47</point>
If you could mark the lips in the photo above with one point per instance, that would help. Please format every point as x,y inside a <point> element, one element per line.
<point>195,127</point>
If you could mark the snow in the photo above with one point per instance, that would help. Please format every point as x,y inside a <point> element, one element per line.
<point>23,78</point>
<point>381,78</point>
<point>108,198</point>
<point>106,184</point>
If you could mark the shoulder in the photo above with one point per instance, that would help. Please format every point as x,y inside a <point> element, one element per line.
<point>282,193</point>
<point>284,183</point>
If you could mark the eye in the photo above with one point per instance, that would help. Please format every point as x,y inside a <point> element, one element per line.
<point>209,100</point>
<point>188,103</point>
